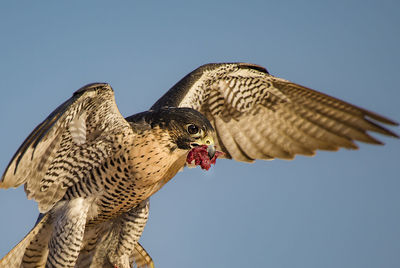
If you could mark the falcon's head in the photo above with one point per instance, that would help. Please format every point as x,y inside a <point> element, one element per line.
<point>187,128</point>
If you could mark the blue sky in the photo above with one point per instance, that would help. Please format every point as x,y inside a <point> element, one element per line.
<point>332,210</point>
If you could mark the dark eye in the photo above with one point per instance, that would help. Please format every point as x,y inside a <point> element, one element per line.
<point>192,129</point>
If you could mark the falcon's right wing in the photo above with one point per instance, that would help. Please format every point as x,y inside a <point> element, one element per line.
<point>259,116</point>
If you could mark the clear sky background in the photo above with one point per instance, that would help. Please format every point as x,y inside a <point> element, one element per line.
<point>333,210</point>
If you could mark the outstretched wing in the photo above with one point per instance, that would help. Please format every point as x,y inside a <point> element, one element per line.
<point>259,116</point>
<point>78,136</point>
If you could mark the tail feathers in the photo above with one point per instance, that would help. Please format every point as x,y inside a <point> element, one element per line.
<point>141,258</point>
<point>26,249</point>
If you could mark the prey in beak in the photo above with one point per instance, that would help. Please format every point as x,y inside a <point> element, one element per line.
<point>203,155</point>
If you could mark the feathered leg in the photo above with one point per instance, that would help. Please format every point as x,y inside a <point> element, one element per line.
<point>67,235</point>
<point>132,224</point>
<point>115,243</point>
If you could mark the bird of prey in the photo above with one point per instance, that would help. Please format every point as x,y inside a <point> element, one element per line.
<point>92,172</point>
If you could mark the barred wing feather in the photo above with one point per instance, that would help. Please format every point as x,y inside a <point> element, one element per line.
<point>259,116</point>
<point>71,141</point>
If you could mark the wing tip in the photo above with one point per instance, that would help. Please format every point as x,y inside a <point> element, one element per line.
<point>6,183</point>
<point>380,118</point>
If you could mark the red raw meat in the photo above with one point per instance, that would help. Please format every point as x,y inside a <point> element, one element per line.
<point>200,157</point>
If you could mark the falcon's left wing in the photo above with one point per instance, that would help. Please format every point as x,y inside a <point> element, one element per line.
<point>74,139</point>
<point>259,116</point>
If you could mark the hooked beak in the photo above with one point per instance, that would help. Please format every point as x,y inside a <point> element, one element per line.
<point>209,142</point>
<point>211,151</point>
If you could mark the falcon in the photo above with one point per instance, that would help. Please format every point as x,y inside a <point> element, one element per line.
<point>92,171</point>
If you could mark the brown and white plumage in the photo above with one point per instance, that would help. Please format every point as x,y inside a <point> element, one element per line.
<point>115,242</point>
<point>89,167</point>
<point>87,126</point>
<point>99,240</point>
<point>259,116</point>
